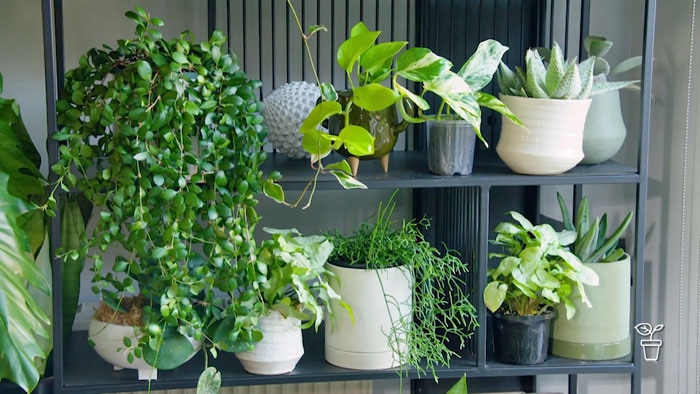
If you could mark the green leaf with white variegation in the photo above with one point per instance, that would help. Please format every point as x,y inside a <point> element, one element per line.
<point>419,101</point>
<point>535,75</point>
<point>209,381</point>
<point>585,70</point>
<point>569,87</point>
<point>374,97</point>
<point>421,65</point>
<point>273,190</point>
<point>555,69</point>
<point>456,93</point>
<point>603,87</point>
<point>328,92</point>
<point>347,181</point>
<point>489,101</point>
<point>508,82</point>
<point>478,70</point>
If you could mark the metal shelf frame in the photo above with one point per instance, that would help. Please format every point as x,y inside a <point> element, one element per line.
<point>74,361</point>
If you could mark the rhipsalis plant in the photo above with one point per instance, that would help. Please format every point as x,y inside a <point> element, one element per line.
<point>592,244</point>
<point>535,270</point>
<point>442,308</point>
<point>553,77</point>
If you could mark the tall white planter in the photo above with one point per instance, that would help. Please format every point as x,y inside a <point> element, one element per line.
<point>280,349</point>
<point>550,143</point>
<point>603,331</point>
<point>377,298</point>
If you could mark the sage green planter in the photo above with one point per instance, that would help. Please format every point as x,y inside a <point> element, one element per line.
<point>603,331</point>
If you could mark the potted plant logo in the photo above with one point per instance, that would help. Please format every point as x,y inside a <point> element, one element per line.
<point>651,346</point>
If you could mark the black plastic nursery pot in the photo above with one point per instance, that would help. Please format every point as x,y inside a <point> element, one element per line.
<point>521,340</point>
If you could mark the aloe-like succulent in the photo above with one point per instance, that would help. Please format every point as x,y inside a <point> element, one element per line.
<point>592,245</point>
<point>554,77</point>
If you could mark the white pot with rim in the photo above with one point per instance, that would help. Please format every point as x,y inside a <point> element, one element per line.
<point>378,299</point>
<point>280,349</point>
<point>551,141</point>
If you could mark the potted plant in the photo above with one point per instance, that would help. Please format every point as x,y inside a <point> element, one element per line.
<point>604,131</point>
<point>359,109</point>
<point>552,101</point>
<point>535,273</point>
<point>603,331</point>
<point>164,137</point>
<point>293,286</point>
<point>407,297</point>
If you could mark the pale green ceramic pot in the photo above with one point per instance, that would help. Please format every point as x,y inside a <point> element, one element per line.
<point>603,331</point>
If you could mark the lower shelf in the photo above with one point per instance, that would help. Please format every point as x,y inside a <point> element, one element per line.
<point>86,372</point>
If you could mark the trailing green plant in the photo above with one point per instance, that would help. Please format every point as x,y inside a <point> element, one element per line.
<point>592,244</point>
<point>440,305</point>
<point>164,137</point>
<point>293,279</point>
<point>553,77</point>
<point>535,270</point>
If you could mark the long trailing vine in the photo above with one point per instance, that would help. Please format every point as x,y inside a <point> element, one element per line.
<point>165,137</point>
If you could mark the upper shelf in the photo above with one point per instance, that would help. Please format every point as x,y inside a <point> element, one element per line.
<point>410,170</point>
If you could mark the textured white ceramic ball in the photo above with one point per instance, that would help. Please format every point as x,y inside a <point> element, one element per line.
<point>285,109</point>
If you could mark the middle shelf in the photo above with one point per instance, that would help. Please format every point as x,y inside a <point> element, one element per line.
<point>409,169</point>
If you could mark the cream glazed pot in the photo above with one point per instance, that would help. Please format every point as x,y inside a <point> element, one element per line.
<point>379,298</point>
<point>552,140</point>
<point>280,349</point>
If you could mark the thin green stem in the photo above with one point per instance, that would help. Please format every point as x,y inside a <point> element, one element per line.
<point>306,42</point>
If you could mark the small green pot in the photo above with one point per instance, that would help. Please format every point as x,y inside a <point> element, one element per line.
<point>603,331</point>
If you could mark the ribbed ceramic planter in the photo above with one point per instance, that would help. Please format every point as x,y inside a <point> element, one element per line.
<point>551,142</point>
<point>603,331</point>
<point>522,340</point>
<point>377,297</point>
<point>280,349</point>
<point>450,147</point>
<point>605,130</point>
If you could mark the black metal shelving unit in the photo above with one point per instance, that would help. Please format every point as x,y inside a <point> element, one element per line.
<point>519,24</point>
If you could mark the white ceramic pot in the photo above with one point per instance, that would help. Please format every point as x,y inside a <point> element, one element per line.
<point>377,297</point>
<point>551,142</point>
<point>603,331</point>
<point>280,349</point>
<point>605,129</point>
<point>109,344</point>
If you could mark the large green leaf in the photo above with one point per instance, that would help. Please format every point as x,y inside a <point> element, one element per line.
<point>351,49</point>
<point>374,97</point>
<point>21,318</point>
<point>20,158</point>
